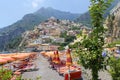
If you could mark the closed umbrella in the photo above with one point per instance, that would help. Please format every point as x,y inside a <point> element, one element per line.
<point>57,61</point>
<point>54,58</point>
<point>68,58</point>
<point>68,61</point>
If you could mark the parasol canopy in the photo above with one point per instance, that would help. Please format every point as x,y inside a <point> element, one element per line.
<point>8,59</point>
<point>54,57</point>
<point>3,61</point>
<point>57,61</point>
<point>68,58</point>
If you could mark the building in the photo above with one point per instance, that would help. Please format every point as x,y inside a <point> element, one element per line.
<point>71,33</point>
<point>47,47</point>
<point>59,40</point>
<point>55,32</point>
<point>116,9</point>
<point>44,47</point>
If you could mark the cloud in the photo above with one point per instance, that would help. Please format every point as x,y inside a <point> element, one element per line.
<point>33,3</point>
<point>36,3</point>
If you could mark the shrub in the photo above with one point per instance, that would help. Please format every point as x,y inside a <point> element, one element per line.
<point>115,68</point>
<point>5,74</point>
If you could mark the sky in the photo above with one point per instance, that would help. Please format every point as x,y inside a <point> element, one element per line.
<point>13,10</point>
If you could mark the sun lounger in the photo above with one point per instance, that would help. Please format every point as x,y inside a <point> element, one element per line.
<point>62,70</point>
<point>29,68</point>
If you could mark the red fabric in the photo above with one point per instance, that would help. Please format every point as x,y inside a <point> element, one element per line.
<point>57,58</point>
<point>73,75</point>
<point>54,58</point>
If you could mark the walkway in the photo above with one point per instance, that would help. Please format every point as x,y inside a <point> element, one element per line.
<point>44,71</point>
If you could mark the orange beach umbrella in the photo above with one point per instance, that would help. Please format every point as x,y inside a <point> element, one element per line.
<point>57,61</point>
<point>8,59</point>
<point>68,58</point>
<point>54,57</point>
<point>3,61</point>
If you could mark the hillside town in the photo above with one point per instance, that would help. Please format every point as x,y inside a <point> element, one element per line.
<point>52,44</point>
<point>50,31</point>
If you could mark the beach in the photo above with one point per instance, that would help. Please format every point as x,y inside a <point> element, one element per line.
<point>46,73</point>
<point>43,71</point>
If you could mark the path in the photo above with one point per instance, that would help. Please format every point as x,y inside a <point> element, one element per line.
<point>44,71</point>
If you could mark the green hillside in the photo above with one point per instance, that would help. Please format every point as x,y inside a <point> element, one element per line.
<point>29,21</point>
<point>85,18</point>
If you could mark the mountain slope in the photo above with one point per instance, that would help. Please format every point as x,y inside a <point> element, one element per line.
<point>29,21</point>
<point>85,18</point>
<point>48,12</point>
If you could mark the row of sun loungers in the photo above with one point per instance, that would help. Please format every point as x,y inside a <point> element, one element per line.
<point>74,71</point>
<point>21,65</point>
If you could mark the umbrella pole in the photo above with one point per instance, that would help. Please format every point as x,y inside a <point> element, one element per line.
<point>68,72</point>
<point>59,69</point>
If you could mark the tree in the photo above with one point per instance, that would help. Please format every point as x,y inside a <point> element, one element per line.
<point>13,44</point>
<point>90,50</point>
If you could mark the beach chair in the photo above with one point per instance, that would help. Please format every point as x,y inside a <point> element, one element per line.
<point>30,67</point>
<point>20,65</point>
